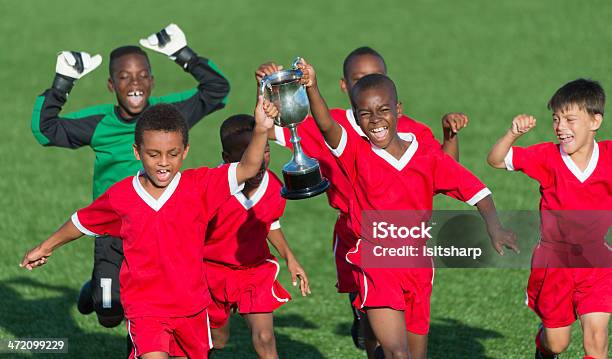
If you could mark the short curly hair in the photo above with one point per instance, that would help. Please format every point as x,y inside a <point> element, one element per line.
<point>162,117</point>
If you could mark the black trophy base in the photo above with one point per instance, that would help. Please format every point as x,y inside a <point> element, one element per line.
<point>305,192</point>
<point>304,185</point>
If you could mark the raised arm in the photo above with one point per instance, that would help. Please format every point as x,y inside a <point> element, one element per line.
<point>38,255</point>
<point>331,130</point>
<point>74,130</point>
<point>277,239</point>
<point>452,123</point>
<point>521,124</point>
<point>252,158</point>
<point>213,87</point>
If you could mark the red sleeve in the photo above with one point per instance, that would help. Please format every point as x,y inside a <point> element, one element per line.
<point>277,202</point>
<point>454,180</point>
<point>218,185</point>
<point>346,152</point>
<point>278,213</point>
<point>532,160</point>
<point>99,218</point>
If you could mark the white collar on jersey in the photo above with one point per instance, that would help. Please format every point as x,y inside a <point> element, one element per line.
<point>571,165</point>
<point>155,204</point>
<point>249,203</point>
<point>403,161</point>
<point>351,119</point>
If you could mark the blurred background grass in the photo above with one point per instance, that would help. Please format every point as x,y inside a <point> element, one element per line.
<point>489,59</point>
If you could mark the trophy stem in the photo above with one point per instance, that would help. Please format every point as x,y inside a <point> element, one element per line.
<point>298,154</point>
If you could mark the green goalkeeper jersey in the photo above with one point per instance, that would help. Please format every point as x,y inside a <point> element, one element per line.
<point>109,135</point>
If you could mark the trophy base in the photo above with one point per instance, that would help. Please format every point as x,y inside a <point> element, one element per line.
<point>305,192</point>
<point>300,184</point>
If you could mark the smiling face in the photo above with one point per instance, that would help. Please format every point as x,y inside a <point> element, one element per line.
<point>132,82</point>
<point>376,111</point>
<point>575,128</point>
<point>162,154</point>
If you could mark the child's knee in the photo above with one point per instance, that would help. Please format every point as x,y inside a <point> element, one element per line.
<point>557,343</point>
<point>263,338</point>
<point>595,340</point>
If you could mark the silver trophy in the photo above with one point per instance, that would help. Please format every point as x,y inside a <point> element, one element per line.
<point>302,175</point>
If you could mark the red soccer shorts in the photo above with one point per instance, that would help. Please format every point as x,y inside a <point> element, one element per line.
<point>344,240</point>
<point>560,295</point>
<point>176,336</point>
<point>405,289</point>
<point>250,290</point>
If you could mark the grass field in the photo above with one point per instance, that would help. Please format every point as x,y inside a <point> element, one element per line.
<point>489,59</point>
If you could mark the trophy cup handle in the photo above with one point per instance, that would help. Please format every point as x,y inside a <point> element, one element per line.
<point>265,82</point>
<point>262,86</point>
<point>296,62</point>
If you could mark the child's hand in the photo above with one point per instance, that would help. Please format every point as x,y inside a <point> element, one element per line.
<point>501,237</point>
<point>35,257</point>
<point>75,64</point>
<point>265,113</point>
<point>454,122</point>
<point>296,271</point>
<point>266,69</point>
<point>521,124</point>
<point>167,41</point>
<point>309,77</point>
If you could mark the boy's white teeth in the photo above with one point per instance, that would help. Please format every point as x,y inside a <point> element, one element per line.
<point>379,133</point>
<point>378,129</point>
<point>135,98</point>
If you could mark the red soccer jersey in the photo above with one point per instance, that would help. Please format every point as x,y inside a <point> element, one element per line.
<point>237,234</point>
<point>314,146</point>
<point>563,185</point>
<point>381,182</point>
<point>575,205</point>
<point>163,239</point>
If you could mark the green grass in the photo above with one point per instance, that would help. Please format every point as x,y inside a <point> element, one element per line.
<point>490,59</point>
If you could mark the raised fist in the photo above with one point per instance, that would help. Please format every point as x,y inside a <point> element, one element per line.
<point>521,124</point>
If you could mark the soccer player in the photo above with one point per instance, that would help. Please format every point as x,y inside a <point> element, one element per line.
<point>109,131</point>
<point>574,175</point>
<point>393,171</point>
<point>241,271</point>
<point>161,214</point>
<point>360,62</point>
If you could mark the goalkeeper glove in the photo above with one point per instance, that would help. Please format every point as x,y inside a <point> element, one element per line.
<point>171,42</point>
<point>71,66</point>
<point>168,41</point>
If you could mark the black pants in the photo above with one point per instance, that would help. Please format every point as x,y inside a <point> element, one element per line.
<point>108,256</point>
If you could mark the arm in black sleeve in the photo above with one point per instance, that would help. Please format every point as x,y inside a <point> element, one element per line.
<point>50,129</point>
<point>212,89</point>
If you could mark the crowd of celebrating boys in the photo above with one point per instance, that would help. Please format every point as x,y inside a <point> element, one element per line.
<point>177,250</point>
